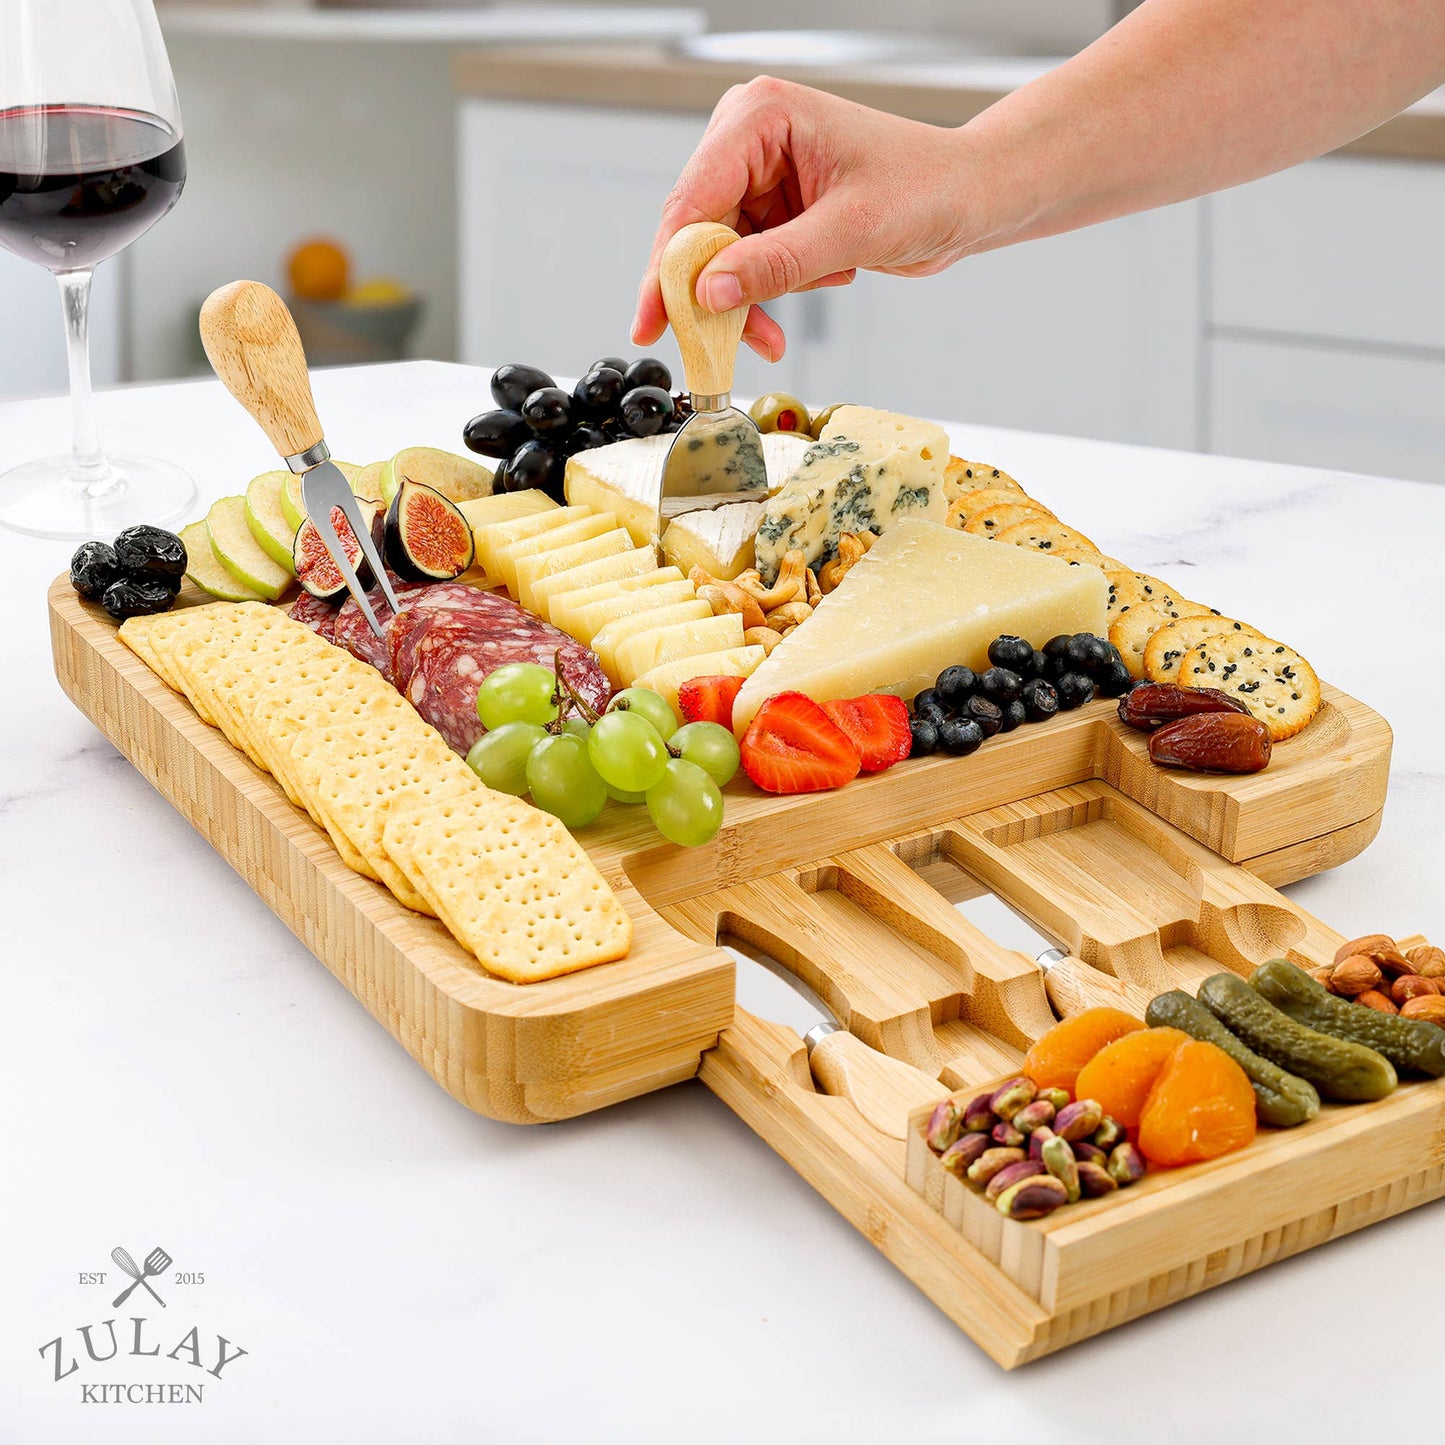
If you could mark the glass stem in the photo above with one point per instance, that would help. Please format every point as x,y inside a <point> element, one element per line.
<point>89,469</point>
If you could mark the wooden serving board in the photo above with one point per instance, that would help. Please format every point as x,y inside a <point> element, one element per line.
<point>1149,879</point>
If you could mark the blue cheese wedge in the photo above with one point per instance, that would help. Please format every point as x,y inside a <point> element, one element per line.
<point>869,470</point>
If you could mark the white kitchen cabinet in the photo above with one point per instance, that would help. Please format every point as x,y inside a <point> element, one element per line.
<point>32,362</point>
<point>1357,411</point>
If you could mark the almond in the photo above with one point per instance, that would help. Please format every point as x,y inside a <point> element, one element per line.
<point>1429,1006</point>
<point>1365,946</point>
<point>1353,976</point>
<point>1381,1003</point>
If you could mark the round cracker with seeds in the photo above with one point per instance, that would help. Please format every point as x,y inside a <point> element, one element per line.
<point>1128,589</point>
<point>1043,535</point>
<point>1131,629</point>
<point>1088,554</point>
<point>962,476</point>
<point>991,520</point>
<point>1273,681</point>
<point>1169,644</point>
<point>969,504</point>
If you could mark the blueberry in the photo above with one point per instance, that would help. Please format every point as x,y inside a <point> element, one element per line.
<point>1000,685</point>
<point>1081,651</point>
<point>932,713</point>
<point>1010,651</point>
<point>955,685</point>
<point>1038,665</point>
<point>988,715</point>
<point>1075,689</point>
<point>1040,700</point>
<point>1114,680</point>
<point>1054,647</point>
<point>1014,714</point>
<point>960,736</point>
<point>927,698</point>
<point>925,737</point>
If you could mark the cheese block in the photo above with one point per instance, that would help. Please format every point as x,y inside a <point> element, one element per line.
<point>868,470</point>
<point>503,507</point>
<point>567,609</point>
<point>496,535</point>
<point>584,623</point>
<point>646,650</point>
<point>531,569</point>
<point>721,541</point>
<point>625,478</point>
<point>734,662</point>
<point>616,565</point>
<point>925,597</point>
<point>594,524</point>
<point>606,641</point>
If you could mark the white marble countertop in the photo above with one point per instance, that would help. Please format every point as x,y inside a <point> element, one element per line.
<point>179,1071</point>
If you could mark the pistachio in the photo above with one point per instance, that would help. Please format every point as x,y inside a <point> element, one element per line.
<point>1004,1133</point>
<point>1038,1139</point>
<point>1057,1097</point>
<point>1109,1133</point>
<point>1079,1119</point>
<point>990,1162</point>
<point>1060,1162</point>
<point>1007,1177</point>
<point>944,1125</point>
<point>1009,1098</point>
<point>1086,1152</point>
<point>963,1151</point>
<point>1039,1114</point>
<point>1126,1165</point>
<point>977,1116</point>
<point>1095,1180</point>
<point>1031,1198</point>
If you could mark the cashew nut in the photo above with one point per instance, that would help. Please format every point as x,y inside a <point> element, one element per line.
<point>851,546</point>
<point>763,637</point>
<point>815,590</point>
<point>790,582</point>
<point>789,615</point>
<point>729,597</point>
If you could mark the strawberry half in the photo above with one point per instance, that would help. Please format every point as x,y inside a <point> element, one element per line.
<point>877,725</point>
<point>793,746</point>
<point>709,699</point>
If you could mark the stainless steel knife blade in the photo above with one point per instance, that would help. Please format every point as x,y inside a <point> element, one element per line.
<point>323,488</point>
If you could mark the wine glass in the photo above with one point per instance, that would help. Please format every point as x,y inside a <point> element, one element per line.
<point>91,157</point>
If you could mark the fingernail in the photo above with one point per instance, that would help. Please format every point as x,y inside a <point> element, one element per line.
<point>721,292</point>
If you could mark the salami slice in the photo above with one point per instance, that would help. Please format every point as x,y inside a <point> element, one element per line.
<point>442,607</point>
<point>319,616</point>
<point>352,631</point>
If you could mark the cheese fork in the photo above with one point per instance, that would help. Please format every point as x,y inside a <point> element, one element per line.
<point>253,345</point>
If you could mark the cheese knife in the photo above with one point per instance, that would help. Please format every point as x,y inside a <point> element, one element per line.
<point>884,1090</point>
<point>717,456</point>
<point>253,345</point>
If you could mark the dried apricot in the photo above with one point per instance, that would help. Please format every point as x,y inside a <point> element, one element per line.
<point>1121,1074</point>
<point>1201,1106</point>
<point>1055,1060</point>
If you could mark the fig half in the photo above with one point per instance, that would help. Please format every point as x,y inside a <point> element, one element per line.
<point>315,570</point>
<point>427,539</point>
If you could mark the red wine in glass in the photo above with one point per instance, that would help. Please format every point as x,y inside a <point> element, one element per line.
<point>79,183</point>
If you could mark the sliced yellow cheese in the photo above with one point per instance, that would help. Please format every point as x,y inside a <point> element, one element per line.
<point>611,568</point>
<point>504,507</point>
<point>722,542</point>
<point>531,570</point>
<point>923,598</point>
<point>496,535</point>
<point>568,606</point>
<point>735,662</point>
<point>584,623</point>
<point>583,529</point>
<point>606,642</point>
<point>647,650</point>
<point>625,478</point>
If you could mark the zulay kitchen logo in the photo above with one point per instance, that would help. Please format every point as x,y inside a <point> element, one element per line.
<point>124,1359</point>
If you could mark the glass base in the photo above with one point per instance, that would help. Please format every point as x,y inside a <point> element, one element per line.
<point>48,498</point>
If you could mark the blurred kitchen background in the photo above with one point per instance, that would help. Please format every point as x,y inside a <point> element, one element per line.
<point>497,171</point>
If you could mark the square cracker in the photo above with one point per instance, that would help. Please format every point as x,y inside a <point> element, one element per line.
<point>509,881</point>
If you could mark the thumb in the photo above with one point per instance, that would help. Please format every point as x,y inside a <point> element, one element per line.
<point>769,264</point>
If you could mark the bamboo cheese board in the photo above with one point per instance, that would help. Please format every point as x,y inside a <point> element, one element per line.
<point>1146,879</point>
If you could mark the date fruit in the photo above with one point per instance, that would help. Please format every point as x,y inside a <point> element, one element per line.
<point>1152,704</point>
<point>1217,742</point>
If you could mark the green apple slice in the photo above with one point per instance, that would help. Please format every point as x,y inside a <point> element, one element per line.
<point>459,479</point>
<point>292,507</point>
<point>267,519</point>
<point>367,482</point>
<point>204,568</point>
<point>240,553</point>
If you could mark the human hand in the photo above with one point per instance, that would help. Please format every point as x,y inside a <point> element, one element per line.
<point>819,188</point>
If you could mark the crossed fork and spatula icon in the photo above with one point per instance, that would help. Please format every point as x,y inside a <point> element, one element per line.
<point>156,1263</point>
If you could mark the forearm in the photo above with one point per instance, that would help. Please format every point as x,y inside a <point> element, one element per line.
<point>1190,96</point>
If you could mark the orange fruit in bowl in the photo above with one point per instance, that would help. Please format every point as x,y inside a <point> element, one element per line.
<point>319,270</point>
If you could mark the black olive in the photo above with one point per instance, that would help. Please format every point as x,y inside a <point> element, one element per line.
<point>960,736</point>
<point>1040,700</point>
<point>513,384</point>
<point>137,597</point>
<point>587,436</point>
<point>599,393</point>
<point>988,715</point>
<point>1011,652</point>
<point>646,410</point>
<point>531,465</point>
<point>496,433</point>
<point>648,371</point>
<point>1074,689</point>
<point>93,568</point>
<point>954,686</point>
<point>548,410</point>
<point>151,553</point>
<point>1114,680</point>
<point>925,737</point>
<point>612,363</point>
<point>1014,714</point>
<point>1001,685</point>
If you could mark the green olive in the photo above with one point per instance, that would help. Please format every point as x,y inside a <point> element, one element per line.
<point>777,411</point>
<point>824,417</point>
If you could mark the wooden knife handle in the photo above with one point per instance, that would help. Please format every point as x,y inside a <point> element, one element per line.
<point>708,343</point>
<point>1073,986</point>
<point>884,1090</point>
<point>254,348</point>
